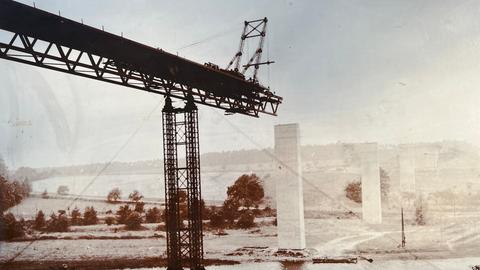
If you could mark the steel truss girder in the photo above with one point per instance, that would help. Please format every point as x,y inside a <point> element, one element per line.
<point>182,187</point>
<point>29,50</point>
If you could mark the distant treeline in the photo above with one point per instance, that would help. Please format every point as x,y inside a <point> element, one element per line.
<point>328,155</point>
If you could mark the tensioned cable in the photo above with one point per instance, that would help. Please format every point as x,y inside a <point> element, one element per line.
<point>105,167</point>
<point>284,165</point>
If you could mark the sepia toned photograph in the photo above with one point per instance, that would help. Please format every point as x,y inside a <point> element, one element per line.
<point>243,135</point>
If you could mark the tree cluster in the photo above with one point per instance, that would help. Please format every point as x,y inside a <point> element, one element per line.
<point>10,227</point>
<point>241,205</point>
<point>12,192</point>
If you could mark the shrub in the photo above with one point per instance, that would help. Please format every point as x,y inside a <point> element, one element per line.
<point>153,215</point>
<point>11,193</point>
<point>122,213</point>
<point>76,216</point>
<point>133,221</point>
<point>217,220</point>
<point>57,223</point>
<point>353,191</point>
<point>90,216</point>
<point>246,220</point>
<point>10,227</point>
<point>206,211</point>
<point>230,211</point>
<point>39,221</point>
<point>109,220</point>
<point>420,209</point>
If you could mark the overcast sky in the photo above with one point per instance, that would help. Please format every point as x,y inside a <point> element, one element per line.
<point>349,71</point>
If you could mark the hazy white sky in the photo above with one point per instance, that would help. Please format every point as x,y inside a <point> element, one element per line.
<point>351,71</point>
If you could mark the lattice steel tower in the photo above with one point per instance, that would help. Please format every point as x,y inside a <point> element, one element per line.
<point>182,186</point>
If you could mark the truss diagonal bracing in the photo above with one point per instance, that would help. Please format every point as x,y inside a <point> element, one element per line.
<point>182,186</point>
<point>32,36</point>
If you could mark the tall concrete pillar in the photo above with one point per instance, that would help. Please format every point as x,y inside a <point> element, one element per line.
<point>289,188</point>
<point>371,192</point>
<point>406,165</point>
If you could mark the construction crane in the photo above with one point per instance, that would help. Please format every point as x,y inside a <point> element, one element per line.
<point>252,29</point>
<point>47,40</point>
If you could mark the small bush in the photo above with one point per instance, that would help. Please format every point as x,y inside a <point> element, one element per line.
<point>246,220</point>
<point>153,215</point>
<point>420,211</point>
<point>76,216</point>
<point>353,191</point>
<point>10,227</point>
<point>90,216</point>
<point>134,221</point>
<point>217,220</point>
<point>109,220</point>
<point>230,211</point>
<point>57,223</point>
<point>39,221</point>
<point>206,211</point>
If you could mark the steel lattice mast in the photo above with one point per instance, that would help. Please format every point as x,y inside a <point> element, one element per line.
<point>35,37</point>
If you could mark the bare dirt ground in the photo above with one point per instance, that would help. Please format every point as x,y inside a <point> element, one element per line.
<point>447,235</point>
<point>112,247</point>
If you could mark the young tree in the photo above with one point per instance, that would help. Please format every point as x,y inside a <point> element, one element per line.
<point>114,195</point>
<point>58,223</point>
<point>90,216</point>
<point>122,213</point>
<point>153,215</point>
<point>39,221</point>
<point>135,196</point>
<point>139,207</point>
<point>76,216</point>
<point>420,211</point>
<point>133,221</point>
<point>246,220</point>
